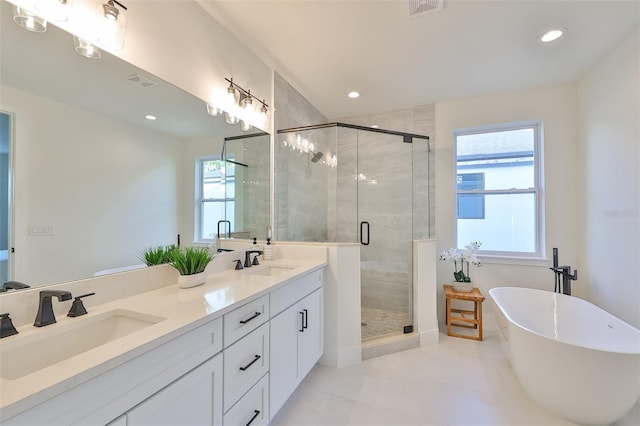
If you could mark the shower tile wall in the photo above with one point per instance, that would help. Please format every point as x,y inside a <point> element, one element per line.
<point>296,178</point>
<point>256,187</point>
<point>419,120</point>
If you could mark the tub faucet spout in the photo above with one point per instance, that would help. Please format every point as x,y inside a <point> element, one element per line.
<point>563,275</point>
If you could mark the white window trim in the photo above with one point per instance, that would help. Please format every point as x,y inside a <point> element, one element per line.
<point>199,200</point>
<point>537,258</point>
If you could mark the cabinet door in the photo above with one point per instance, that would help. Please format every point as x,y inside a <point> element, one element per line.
<point>194,399</point>
<point>311,345</point>
<point>284,369</point>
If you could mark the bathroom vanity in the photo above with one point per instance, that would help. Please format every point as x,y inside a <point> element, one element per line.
<point>228,352</point>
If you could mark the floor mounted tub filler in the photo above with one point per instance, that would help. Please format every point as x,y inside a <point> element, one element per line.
<point>570,356</point>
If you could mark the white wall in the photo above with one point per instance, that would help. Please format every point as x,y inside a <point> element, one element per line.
<point>181,43</point>
<point>109,188</point>
<point>556,107</point>
<point>609,237</point>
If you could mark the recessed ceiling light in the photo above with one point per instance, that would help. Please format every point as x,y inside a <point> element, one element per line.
<point>551,35</point>
<point>354,94</point>
<point>150,117</point>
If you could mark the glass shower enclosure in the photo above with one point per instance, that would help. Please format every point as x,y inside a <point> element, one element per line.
<point>344,183</point>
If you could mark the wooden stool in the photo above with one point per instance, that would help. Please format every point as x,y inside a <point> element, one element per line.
<point>461,321</point>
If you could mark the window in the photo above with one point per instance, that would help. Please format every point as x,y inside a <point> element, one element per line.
<point>215,185</point>
<point>470,206</point>
<point>498,189</point>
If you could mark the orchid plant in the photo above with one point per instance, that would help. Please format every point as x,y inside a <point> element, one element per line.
<point>462,258</point>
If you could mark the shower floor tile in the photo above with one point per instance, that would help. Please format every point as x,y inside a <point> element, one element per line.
<point>382,322</point>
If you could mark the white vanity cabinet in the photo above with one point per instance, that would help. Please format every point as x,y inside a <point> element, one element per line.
<point>193,400</point>
<point>236,369</point>
<point>296,335</point>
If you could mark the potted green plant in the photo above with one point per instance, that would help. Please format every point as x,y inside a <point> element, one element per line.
<point>157,255</point>
<point>190,262</point>
<point>460,259</point>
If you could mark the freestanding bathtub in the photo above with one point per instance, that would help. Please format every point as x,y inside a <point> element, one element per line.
<point>570,356</point>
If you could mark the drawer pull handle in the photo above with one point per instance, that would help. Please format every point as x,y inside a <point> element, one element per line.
<point>257,357</point>
<point>301,322</point>
<point>256,413</point>
<point>305,325</point>
<point>256,315</point>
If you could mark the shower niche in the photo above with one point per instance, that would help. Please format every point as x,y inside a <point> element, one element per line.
<point>352,184</point>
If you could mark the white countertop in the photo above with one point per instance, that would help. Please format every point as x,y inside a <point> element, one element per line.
<point>183,310</point>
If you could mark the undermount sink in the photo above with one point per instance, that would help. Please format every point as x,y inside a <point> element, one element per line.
<point>268,270</point>
<point>52,344</point>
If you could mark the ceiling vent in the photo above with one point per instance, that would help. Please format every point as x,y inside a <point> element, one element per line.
<point>418,7</point>
<point>141,81</point>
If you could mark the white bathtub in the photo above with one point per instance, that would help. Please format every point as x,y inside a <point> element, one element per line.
<point>570,356</point>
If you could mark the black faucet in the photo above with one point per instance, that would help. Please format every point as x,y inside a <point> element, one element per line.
<point>12,285</point>
<point>247,258</point>
<point>563,275</point>
<point>77,307</point>
<point>6,326</point>
<point>45,314</point>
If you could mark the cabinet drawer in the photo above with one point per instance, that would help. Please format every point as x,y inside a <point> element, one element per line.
<point>245,362</point>
<point>244,319</point>
<point>253,407</point>
<point>194,399</point>
<point>286,296</point>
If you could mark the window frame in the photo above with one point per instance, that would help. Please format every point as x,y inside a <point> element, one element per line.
<point>537,190</point>
<point>200,201</point>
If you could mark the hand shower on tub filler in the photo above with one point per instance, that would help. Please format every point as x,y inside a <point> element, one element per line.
<point>563,276</point>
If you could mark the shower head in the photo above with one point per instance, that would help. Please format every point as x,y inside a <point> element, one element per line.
<point>316,157</point>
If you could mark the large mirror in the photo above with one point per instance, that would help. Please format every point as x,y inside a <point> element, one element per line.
<point>92,182</point>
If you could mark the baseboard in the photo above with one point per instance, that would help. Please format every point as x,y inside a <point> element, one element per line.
<point>341,358</point>
<point>430,337</point>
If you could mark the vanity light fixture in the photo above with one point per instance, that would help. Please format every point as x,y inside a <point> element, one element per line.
<point>113,24</point>
<point>28,20</point>
<point>264,111</point>
<point>233,95</point>
<point>214,110</point>
<point>86,48</point>
<point>239,106</point>
<point>54,10</point>
<point>551,35</point>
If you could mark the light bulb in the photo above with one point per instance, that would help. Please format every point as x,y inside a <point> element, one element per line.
<point>28,20</point>
<point>86,48</point>
<point>245,125</point>
<point>214,110</point>
<point>54,10</point>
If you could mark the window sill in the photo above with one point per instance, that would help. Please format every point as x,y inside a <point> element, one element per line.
<point>510,260</point>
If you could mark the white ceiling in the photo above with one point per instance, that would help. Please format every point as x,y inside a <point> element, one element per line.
<point>471,48</point>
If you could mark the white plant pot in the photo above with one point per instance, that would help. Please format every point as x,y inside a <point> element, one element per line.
<point>462,287</point>
<point>194,280</point>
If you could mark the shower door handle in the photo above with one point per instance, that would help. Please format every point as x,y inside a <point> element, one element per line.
<point>362,241</point>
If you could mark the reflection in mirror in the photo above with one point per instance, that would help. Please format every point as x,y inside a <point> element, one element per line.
<point>93,181</point>
<point>247,179</point>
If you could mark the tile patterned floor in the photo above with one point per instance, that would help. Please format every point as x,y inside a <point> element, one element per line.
<point>455,382</point>
<point>382,322</point>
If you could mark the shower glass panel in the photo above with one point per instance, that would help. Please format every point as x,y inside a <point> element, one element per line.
<point>344,183</point>
<point>385,232</point>
<point>247,184</point>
